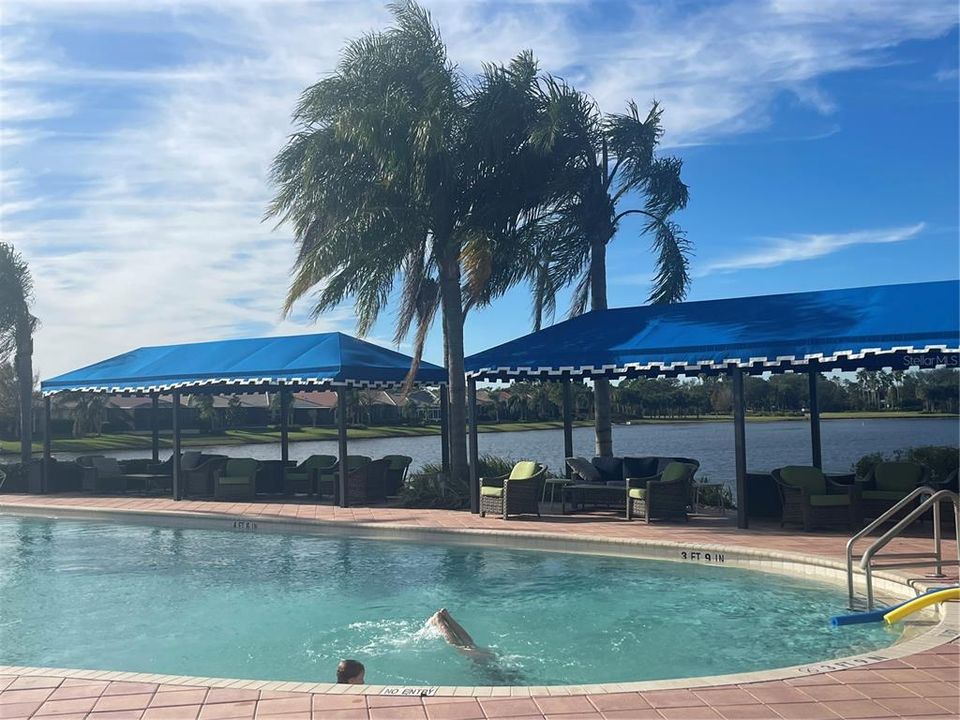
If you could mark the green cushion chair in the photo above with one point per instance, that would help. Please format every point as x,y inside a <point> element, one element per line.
<point>662,496</point>
<point>888,483</point>
<point>237,480</point>
<point>811,499</point>
<point>515,493</point>
<point>305,477</point>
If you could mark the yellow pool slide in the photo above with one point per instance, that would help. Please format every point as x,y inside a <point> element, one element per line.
<point>918,603</point>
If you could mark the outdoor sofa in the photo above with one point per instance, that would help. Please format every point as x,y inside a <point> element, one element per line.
<point>664,500</point>
<point>813,500</point>
<point>515,493</point>
<point>887,483</point>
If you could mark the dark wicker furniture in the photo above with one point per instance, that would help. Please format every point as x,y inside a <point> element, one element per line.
<point>888,483</point>
<point>367,483</point>
<point>198,477</point>
<point>397,472</point>
<point>236,480</point>
<point>813,500</point>
<point>664,496</point>
<point>515,493</point>
<point>579,495</point>
<point>305,477</point>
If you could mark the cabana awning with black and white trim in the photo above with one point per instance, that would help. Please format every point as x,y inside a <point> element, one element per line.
<point>873,327</point>
<point>298,361</point>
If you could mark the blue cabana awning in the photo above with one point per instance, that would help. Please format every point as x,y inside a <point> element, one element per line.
<point>326,359</point>
<point>873,327</point>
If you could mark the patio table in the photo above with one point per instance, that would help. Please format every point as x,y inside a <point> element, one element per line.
<point>149,479</point>
<point>582,493</point>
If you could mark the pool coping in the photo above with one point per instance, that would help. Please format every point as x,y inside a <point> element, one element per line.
<point>919,636</point>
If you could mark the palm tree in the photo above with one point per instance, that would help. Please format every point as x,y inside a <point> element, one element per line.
<point>17,325</point>
<point>609,171</point>
<point>401,168</point>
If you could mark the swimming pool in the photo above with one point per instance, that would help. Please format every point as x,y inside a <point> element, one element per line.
<point>211,603</point>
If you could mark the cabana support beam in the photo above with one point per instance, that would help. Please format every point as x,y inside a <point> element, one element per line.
<point>814,374</point>
<point>740,447</point>
<point>342,443</point>
<point>567,423</point>
<point>155,426</point>
<point>46,479</point>
<point>177,475</point>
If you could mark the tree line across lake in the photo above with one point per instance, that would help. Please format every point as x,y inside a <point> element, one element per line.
<point>935,391</point>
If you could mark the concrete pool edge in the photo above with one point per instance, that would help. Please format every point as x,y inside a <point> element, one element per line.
<point>946,630</point>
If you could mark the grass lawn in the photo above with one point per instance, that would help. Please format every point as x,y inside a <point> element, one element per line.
<point>136,441</point>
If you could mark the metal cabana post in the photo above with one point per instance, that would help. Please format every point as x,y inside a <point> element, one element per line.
<point>740,446</point>
<point>155,426</point>
<point>567,422</point>
<point>284,436</point>
<point>177,474</point>
<point>342,444</point>
<point>46,467</point>
<point>813,375</point>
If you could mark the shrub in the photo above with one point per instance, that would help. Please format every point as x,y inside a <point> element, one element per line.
<point>941,460</point>
<point>431,488</point>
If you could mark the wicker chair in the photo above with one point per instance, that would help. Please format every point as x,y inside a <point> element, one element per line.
<point>236,480</point>
<point>397,472</point>
<point>663,496</point>
<point>812,500</point>
<point>199,479</point>
<point>305,477</point>
<point>888,483</point>
<point>102,475</point>
<point>367,483</point>
<point>515,493</point>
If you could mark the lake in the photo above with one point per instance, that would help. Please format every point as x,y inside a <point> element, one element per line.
<point>769,444</point>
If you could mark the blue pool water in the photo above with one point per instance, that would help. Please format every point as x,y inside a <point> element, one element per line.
<point>215,603</point>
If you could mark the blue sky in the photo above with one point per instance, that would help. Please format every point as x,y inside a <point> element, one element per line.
<point>820,142</point>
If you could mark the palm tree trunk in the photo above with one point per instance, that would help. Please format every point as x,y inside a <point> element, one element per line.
<point>24,364</point>
<point>452,305</point>
<point>601,387</point>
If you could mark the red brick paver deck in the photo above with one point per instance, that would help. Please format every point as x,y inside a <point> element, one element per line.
<point>922,685</point>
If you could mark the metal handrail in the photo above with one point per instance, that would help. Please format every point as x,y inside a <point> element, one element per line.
<point>922,490</point>
<point>934,501</point>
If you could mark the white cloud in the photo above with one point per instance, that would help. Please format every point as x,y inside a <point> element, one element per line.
<point>141,221</point>
<point>778,251</point>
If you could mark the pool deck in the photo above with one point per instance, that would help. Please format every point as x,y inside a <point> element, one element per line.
<point>923,684</point>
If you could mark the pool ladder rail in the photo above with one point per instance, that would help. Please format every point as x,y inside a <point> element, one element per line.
<point>930,500</point>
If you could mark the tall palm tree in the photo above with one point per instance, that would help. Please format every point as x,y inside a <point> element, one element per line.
<point>403,169</point>
<point>609,171</point>
<point>17,325</point>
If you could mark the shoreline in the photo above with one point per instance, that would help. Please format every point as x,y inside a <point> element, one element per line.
<point>140,441</point>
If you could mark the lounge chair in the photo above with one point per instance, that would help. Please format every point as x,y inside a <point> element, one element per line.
<point>367,483</point>
<point>305,477</point>
<point>515,493</point>
<point>813,500</point>
<point>397,472</point>
<point>888,483</point>
<point>198,479</point>
<point>664,495</point>
<point>236,480</point>
<point>102,474</point>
